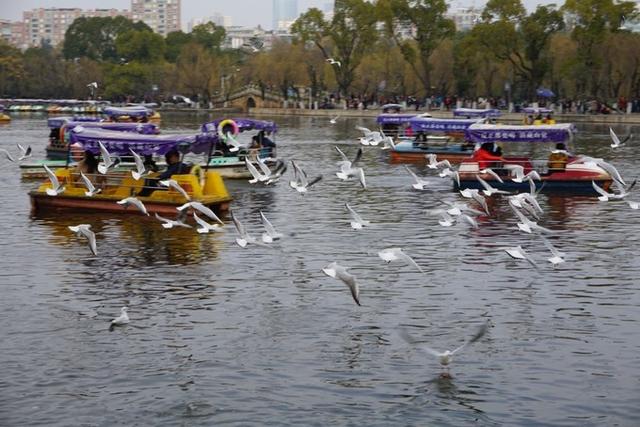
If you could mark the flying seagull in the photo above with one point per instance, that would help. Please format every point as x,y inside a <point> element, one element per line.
<point>339,272</point>
<point>133,201</point>
<point>92,190</point>
<point>270,234</point>
<point>357,223</point>
<point>55,184</point>
<point>334,62</point>
<point>85,230</point>
<point>395,254</point>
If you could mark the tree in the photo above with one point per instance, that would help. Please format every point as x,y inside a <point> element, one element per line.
<point>95,38</point>
<point>127,81</point>
<point>12,70</point>
<point>197,71</point>
<point>418,27</point>
<point>594,19</point>
<point>143,46</point>
<point>174,42</point>
<point>209,35</point>
<point>346,38</point>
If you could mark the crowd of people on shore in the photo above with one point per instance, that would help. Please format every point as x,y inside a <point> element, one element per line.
<point>446,103</point>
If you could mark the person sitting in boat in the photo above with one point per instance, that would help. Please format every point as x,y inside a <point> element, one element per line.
<point>267,144</point>
<point>558,158</point>
<point>88,165</point>
<point>150,164</point>
<point>174,167</point>
<point>486,156</point>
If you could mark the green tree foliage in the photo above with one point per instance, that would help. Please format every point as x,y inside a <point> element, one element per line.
<point>130,80</point>
<point>209,35</point>
<point>11,70</point>
<point>594,20</point>
<point>174,42</point>
<point>143,46</point>
<point>418,27</point>
<point>95,38</point>
<point>346,38</point>
<point>197,71</point>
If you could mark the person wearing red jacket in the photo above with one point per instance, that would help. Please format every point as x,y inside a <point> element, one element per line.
<point>486,157</point>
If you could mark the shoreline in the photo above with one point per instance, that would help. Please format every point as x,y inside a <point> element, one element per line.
<point>627,119</point>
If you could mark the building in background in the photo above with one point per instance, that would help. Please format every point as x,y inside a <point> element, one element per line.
<point>49,26</point>
<point>217,18</point>
<point>163,16</point>
<point>285,12</point>
<point>465,18</point>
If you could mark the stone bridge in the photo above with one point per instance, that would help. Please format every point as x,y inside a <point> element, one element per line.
<point>248,97</point>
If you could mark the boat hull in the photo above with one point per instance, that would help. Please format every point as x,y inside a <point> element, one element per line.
<point>454,157</point>
<point>57,153</point>
<point>43,203</point>
<point>576,186</point>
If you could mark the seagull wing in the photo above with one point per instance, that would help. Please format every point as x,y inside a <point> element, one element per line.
<point>87,183</point>
<point>263,167</point>
<point>493,174</point>
<point>614,138</point>
<point>205,210</point>
<point>8,155</point>
<point>349,280</point>
<point>479,334</point>
<point>413,174</point>
<point>241,230</point>
<point>106,156</point>
<point>52,177</point>
<point>361,178</point>
<point>358,156</point>
<point>410,260</point>
<point>314,181</point>
<point>91,237</point>
<point>257,176</point>
<point>599,189</point>
<point>357,218</point>
<point>344,156</point>
<point>271,230</point>
<point>410,340</point>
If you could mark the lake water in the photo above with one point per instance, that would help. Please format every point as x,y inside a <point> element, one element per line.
<point>221,335</point>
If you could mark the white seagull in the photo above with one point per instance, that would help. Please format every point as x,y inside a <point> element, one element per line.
<point>517,252</point>
<point>171,183</point>
<point>357,223</point>
<point>257,176</point>
<point>419,183</point>
<point>270,235</point>
<point>205,227</point>
<point>605,196</point>
<point>85,230</point>
<point>26,152</point>
<point>301,184</point>
<point>488,189</point>
<point>107,160</point>
<point>244,238</point>
<point>55,184</point>
<point>526,225</point>
<point>616,141</point>
<point>435,164</point>
<point>334,120</point>
<point>339,272</point>
<point>121,320</point>
<point>140,169</point>
<point>446,357</point>
<point>92,189</point>
<point>133,201</point>
<point>395,254</point>
<point>557,256</point>
<point>491,172</point>
<point>200,208</point>
<point>517,171</point>
<point>633,205</point>
<point>170,223</point>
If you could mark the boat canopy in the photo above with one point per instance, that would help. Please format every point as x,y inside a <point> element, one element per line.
<point>426,124</point>
<point>537,110</point>
<point>476,113</point>
<point>120,143</point>
<point>394,119</point>
<point>243,125</point>
<point>481,133</point>
<point>95,123</point>
<point>138,111</point>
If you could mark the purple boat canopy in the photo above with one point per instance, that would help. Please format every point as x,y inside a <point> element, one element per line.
<point>536,110</point>
<point>481,133</point>
<point>243,125</point>
<point>423,124</point>
<point>394,119</point>
<point>139,111</point>
<point>95,124</point>
<point>120,143</point>
<point>476,113</point>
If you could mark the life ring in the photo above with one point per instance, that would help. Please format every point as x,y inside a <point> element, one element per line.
<point>199,172</point>
<point>223,127</point>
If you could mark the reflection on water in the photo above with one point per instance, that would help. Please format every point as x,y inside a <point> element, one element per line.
<point>221,334</point>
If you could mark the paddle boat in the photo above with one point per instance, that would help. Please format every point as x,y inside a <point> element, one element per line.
<point>561,173</point>
<point>4,118</point>
<point>230,162</point>
<point>133,113</point>
<point>433,136</point>
<point>538,116</point>
<point>58,147</point>
<point>68,192</point>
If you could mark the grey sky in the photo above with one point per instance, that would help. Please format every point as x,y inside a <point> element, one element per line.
<point>243,12</point>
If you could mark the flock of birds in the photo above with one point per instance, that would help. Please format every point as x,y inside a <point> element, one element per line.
<point>524,205</point>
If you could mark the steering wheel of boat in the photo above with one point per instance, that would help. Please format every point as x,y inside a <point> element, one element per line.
<point>199,172</point>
